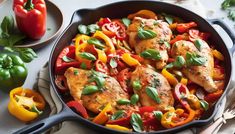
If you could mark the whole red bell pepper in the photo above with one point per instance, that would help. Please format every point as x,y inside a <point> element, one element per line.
<point>31,17</point>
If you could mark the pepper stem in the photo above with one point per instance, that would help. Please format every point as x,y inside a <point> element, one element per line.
<point>29,5</point>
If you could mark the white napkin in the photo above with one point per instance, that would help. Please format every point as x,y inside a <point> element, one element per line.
<point>73,127</point>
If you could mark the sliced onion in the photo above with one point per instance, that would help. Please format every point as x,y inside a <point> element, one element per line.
<point>61,83</point>
<point>200,94</point>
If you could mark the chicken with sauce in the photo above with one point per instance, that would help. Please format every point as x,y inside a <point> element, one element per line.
<point>111,91</point>
<point>202,74</point>
<point>150,78</point>
<point>163,34</point>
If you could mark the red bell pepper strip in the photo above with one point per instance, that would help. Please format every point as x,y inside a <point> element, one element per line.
<point>183,27</point>
<point>122,78</point>
<point>212,97</point>
<point>147,109</point>
<point>79,108</point>
<point>61,83</point>
<point>31,17</point>
<point>101,67</point>
<point>103,21</point>
<point>179,37</point>
<point>125,121</point>
<point>61,65</point>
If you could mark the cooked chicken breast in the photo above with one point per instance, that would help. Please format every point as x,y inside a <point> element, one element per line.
<point>163,34</point>
<point>112,91</point>
<point>149,77</point>
<point>201,75</point>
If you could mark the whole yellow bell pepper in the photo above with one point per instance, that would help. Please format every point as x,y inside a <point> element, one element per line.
<point>25,104</point>
<point>107,40</point>
<point>103,117</point>
<point>117,127</point>
<point>126,57</point>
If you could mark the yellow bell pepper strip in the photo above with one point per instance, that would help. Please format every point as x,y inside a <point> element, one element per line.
<point>25,104</point>
<point>126,57</point>
<point>107,40</point>
<point>80,44</point>
<point>218,55</point>
<point>180,92</point>
<point>101,55</point>
<point>170,77</point>
<point>169,119</point>
<point>117,127</point>
<point>103,117</point>
<point>184,81</point>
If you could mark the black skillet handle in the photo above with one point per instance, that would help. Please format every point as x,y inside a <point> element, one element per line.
<point>228,30</point>
<point>78,14</point>
<point>45,124</point>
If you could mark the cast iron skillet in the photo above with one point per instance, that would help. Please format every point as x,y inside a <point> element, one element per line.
<point>119,10</point>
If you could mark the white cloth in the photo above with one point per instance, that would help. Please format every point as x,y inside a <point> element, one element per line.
<point>75,128</point>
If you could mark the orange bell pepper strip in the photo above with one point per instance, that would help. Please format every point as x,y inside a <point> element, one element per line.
<point>144,14</point>
<point>126,57</point>
<point>117,127</point>
<point>184,81</point>
<point>170,77</point>
<point>108,41</point>
<point>103,117</point>
<point>218,55</point>
<point>212,97</point>
<point>183,27</point>
<point>25,104</point>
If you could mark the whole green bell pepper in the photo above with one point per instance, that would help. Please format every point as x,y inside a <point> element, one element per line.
<point>12,71</point>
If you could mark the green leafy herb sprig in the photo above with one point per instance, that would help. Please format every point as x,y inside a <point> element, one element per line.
<point>8,38</point>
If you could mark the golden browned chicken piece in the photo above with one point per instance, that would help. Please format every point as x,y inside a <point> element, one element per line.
<point>163,34</point>
<point>201,75</point>
<point>150,78</point>
<point>94,102</point>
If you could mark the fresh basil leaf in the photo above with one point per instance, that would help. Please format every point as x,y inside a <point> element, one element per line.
<point>14,38</point>
<point>83,29</point>
<point>126,21</point>
<point>7,25</point>
<point>158,114</point>
<point>152,93</point>
<point>117,115</point>
<point>98,80</point>
<point>83,65</point>
<point>90,90</point>
<point>204,105</point>
<point>26,54</point>
<point>136,85</point>
<point>198,43</point>
<point>227,3</point>
<point>169,19</point>
<point>123,101</point>
<point>170,65</point>
<point>193,59</point>
<point>96,42</point>
<point>167,44</point>
<point>134,99</point>
<point>113,63</point>
<point>67,59</point>
<point>179,62</point>
<point>146,34</point>
<point>75,72</point>
<point>88,56</point>
<point>231,14</point>
<point>151,54</point>
<point>92,28</point>
<point>136,122</point>
<point>4,42</point>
